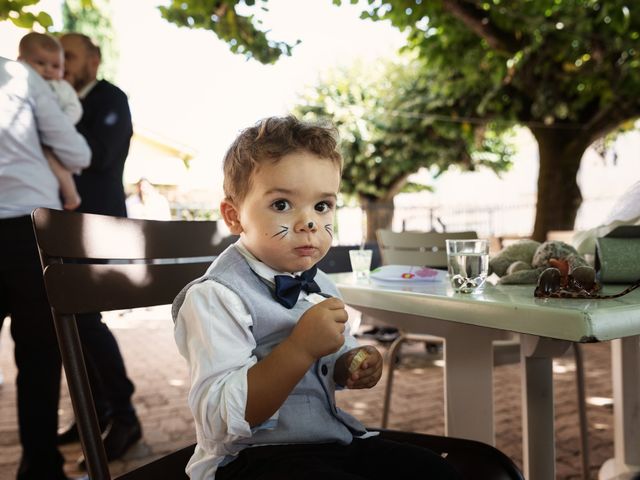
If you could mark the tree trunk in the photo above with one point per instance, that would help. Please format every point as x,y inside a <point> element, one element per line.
<point>559,196</point>
<point>378,214</point>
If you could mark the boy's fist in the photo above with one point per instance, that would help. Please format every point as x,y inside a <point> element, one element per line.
<point>359,368</point>
<point>319,331</point>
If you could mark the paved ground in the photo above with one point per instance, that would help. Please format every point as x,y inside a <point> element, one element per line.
<point>161,380</point>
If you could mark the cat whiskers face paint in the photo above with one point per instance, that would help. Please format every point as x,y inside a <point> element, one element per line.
<point>329,228</point>
<point>283,232</point>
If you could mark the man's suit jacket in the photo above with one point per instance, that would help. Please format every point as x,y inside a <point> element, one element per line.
<point>106,125</point>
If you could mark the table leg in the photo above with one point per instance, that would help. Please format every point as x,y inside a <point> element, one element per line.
<point>538,434</point>
<point>468,370</point>
<point>469,373</point>
<point>625,362</point>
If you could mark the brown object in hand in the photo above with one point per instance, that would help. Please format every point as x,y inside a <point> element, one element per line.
<point>357,360</point>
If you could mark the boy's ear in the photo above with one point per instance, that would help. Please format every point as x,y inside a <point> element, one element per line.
<point>231,217</point>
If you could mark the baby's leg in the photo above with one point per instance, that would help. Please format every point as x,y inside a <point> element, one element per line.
<point>70,196</point>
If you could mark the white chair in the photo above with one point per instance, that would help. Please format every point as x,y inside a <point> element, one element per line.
<point>417,248</point>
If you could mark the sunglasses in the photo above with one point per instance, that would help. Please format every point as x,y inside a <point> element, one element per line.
<point>551,284</point>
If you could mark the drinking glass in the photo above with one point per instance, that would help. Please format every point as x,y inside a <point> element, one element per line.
<point>361,263</point>
<point>468,264</point>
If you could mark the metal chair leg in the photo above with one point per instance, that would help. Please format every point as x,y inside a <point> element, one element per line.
<point>582,410</point>
<point>391,362</point>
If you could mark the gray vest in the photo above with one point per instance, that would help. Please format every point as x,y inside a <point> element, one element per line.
<point>309,415</point>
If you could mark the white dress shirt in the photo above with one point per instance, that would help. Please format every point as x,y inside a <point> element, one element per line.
<point>30,117</point>
<point>219,354</point>
<point>625,211</point>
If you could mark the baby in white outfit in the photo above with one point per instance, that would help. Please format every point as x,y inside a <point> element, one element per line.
<point>45,55</point>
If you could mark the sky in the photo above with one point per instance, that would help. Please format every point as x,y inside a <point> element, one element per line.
<point>187,85</point>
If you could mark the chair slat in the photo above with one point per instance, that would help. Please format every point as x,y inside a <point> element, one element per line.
<point>99,288</point>
<point>94,263</point>
<point>75,235</point>
<point>417,248</point>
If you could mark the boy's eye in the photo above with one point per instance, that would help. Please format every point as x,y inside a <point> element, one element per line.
<point>323,207</point>
<point>281,205</point>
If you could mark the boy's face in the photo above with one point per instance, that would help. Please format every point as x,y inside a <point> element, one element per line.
<point>286,219</point>
<point>48,63</point>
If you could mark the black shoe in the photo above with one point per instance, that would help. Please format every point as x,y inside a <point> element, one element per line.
<point>72,435</point>
<point>387,334</point>
<point>380,334</point>
<point>371,333</point>
<point>118,438</point>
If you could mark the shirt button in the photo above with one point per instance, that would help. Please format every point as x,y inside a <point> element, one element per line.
<point>324,369</point>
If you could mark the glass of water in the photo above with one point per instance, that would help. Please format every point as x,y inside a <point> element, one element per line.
<point>468,264</point>
<point>361,263</point>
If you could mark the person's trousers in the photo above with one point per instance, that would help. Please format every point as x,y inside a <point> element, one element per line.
<point>110,386</point>
<point>37,357</point>
<point>372,458</point>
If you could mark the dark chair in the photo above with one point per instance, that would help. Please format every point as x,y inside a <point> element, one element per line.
<point>99,263</point>
<point>337,258</point>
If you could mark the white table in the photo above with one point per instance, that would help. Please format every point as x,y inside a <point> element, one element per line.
<point>469,324</point>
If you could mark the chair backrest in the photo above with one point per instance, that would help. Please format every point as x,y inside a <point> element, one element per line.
<point>417,248</point>
<point>96,263</point>
<point>337,258</point>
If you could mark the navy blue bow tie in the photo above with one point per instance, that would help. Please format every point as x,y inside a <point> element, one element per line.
<point>288,288</point>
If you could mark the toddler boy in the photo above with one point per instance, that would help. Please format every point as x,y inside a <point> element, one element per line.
<point>263,331</point>
<point>45,55</point>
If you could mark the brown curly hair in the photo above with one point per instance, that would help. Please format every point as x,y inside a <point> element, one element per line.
<point>269,140</point>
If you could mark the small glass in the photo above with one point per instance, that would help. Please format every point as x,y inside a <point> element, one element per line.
<point>468,264</point>
<point>361,263</point>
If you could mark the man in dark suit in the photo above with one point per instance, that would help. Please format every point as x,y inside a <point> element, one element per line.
<point>106,125</point>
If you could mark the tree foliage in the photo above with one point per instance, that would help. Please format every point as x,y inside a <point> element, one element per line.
<point>567,69</point>
<point>18,12</point>
<point>93,18</point>
<point>544,63</point>
<point>390,129</point>
<point>242,32</point>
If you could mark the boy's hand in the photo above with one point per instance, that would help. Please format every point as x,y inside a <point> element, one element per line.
<point>366,375</point>
<point>319,331</point>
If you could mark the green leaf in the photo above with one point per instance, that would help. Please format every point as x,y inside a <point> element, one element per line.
<point>44,19</point>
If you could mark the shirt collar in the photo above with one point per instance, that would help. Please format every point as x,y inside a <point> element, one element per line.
<point>86,89</point>
<point>261,269</point>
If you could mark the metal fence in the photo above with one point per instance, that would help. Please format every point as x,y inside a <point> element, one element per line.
<point>505,220</point>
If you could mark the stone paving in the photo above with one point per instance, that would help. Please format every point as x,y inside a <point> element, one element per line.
<point>161,379</point>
